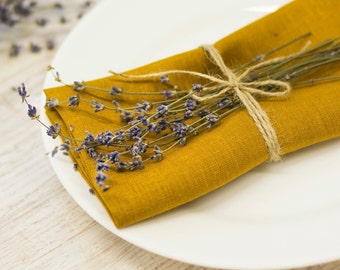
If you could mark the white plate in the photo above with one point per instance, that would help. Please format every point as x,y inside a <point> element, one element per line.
<point>277,216</point>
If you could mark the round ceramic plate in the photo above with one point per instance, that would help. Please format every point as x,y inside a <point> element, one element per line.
<point>276,216</point>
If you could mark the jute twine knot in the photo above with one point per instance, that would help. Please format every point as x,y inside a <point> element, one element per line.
<point>246,91</point>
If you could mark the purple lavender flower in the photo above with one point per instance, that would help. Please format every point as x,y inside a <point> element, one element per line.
<point>197,87</point>
<point>190,104</point>
<point>54,151</point>
<point>223,103</point>
<point>79,86</point>
<point>32,111</point>
<point>183,141</point>
<point>115,91</point>
<point>203,113</point>
<point>134,132</point>
<point>102,166</point>
<point>105,188</point>
<point>145,106</point>
<point>145,121</point>
<point>97,105</point>
<point>119,135</point>
<point>105,138</point>
<point>122,166</point>
<point>92,152</point>
<point>212,119</point>
<point>167,93</point>
<point>259,58</point>
<point>114,102</point>
<point>137,163</point>
<point>52,102</point>
<point>53,130</point>
<point>113,157</point>
<point>161,111</point>
<point>161,125</point>
<point>101,178</point>
<point>78,149</point>
<point>89,140</point>
<point>75,166</point>
<point>134,122</point>
<point>188,114</point>
<point>181,129</point>
<point>65,146</point>
<point>134,150</point>
<point>151,127</point>
<point>73,101</point>
<point>108,138</point>
<point>158,153</point>
<point>164,79</point>
<point>126,116</point>
<point>22,92</point>
<point>139,147</point>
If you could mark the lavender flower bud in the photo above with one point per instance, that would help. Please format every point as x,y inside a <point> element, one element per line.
<point>78,86</point>
<point>101,178</point>
<point>113,157</point>
<point>22,92</point>
<point>126,116</point>
<point>190,104</point>
<point>158,153</point>
<point>73,101</point>
<point>102,166</point>
<point>115,91</point>
<point>53,130</point>
<point>52,102</point>
<point>97,105</point>
<point>32,111</point>
<point>167,93</point>
<point>196,87</point>
<point>161,111</point>
<point>180,129</point>
<point>164,79</point>
<point>212,119</point>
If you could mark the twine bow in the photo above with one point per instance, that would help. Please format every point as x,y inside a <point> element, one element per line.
<point>246,91</point>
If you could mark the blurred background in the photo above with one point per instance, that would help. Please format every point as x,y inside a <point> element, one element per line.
<point>41,227</point>
<point>35,30</point>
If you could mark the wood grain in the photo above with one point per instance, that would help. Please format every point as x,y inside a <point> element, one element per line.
<point>41,227</point>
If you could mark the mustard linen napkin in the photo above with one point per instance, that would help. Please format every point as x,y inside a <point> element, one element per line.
<point>309,115</point>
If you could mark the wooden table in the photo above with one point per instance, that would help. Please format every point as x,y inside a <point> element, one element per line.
<point>41,227</point>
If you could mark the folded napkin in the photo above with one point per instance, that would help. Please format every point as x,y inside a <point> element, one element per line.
<point>309,115</point>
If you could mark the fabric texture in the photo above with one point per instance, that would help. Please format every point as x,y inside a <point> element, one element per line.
<point>309,115</point>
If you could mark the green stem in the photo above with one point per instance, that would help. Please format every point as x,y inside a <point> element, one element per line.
<point>253,61</point>
<point>314,81</point>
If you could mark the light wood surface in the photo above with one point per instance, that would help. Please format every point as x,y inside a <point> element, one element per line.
<point>41,227</point>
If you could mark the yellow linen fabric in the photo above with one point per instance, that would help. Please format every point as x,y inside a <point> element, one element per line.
<point>309,115</point>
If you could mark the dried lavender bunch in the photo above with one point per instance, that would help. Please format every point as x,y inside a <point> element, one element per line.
<point>150,129</point>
